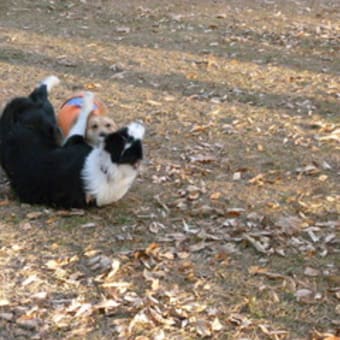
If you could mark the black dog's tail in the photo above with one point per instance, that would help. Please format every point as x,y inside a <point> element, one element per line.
<point>40,93</point>
<point>39,97</point>
<point>18,106</point>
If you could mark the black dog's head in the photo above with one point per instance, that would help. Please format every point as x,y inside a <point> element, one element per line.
<point>125,145</point>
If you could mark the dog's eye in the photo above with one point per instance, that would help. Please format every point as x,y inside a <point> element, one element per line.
<point>108,125</point>
<point>94,126</point>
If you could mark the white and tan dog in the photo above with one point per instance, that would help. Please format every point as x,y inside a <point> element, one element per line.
<point>99,124</point>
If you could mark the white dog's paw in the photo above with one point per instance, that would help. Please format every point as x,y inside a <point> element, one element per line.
<point>136,130</point>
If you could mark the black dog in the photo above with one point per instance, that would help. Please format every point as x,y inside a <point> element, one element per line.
<point>75,174</point>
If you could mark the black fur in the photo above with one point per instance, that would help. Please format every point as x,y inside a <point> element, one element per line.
<point>39,169</point>
<point>115,143</point>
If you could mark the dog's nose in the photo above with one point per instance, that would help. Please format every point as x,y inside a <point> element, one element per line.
<point>137,164</point>
<point>102,134</point>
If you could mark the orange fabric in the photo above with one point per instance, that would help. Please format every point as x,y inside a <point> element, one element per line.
<point>68,114</point>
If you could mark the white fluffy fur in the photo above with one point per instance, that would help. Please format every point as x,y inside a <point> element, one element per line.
<point>79,128</point>
<point>50,82</point>
<point>105,181</point>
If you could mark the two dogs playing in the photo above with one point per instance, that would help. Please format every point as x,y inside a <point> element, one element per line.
<point>74,174</point>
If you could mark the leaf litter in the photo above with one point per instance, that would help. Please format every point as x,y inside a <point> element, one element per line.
<point>234,228</point>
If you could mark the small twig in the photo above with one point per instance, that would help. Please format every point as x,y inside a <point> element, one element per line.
<point>162,204</point>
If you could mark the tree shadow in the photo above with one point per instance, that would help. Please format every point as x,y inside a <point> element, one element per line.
<point>177,84</point>
<point>301,50</point>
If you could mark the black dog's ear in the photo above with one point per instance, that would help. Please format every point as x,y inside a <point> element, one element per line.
<point>114,144</point>
<point>133,153</point>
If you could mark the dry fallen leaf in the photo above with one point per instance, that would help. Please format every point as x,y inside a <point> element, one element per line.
<point>237,176</point>
<point>40,296</point>
<point>4,203</point>
<point>158,317</point>
<point>107,304</point>
<point>272,333</point>
<point>302,293</point>
<point>216,325</point>
<point>92,86</point>
<point>53,264</point>
<point>153,103</point>
<point>123,29</point>
<point>203,158</point>
<point>199,246</point>
<point>4,302</point>
<point>73,212</point>
<point>200,128</point>
<point>150,277</point>
<point>257,270</point>
<point>34,215</point>
<point>290,224</point>
<point>84,310</point>
<point>235,212</point>
<point>258,179</point>
<point>202,328</point>
<point>152,249</point>
<point>257,244</point>
<point>88,225</point>
<point>215,196</point>
<point>158,335</point>
<point>28,322</point>
<point>311,272</point>
<point>7,316</point>
<point>114,268</point>
<point>100,262</point>
<point>239,320</point>
<point>310,169</point>
<point>140,319</point>
<point>32,278</point>
<point>64,61</point>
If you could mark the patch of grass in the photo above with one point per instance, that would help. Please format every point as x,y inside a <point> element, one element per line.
<point>10,55</point>
<point>255,308</point>
<point>123,219</point>
<point>70,223</point>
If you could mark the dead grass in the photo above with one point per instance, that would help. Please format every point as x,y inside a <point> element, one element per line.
<point>231,230</point>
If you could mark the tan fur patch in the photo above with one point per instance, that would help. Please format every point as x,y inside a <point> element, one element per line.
<point>98,127</point>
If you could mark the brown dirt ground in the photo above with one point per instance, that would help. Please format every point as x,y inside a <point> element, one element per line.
<point>230,232</point>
